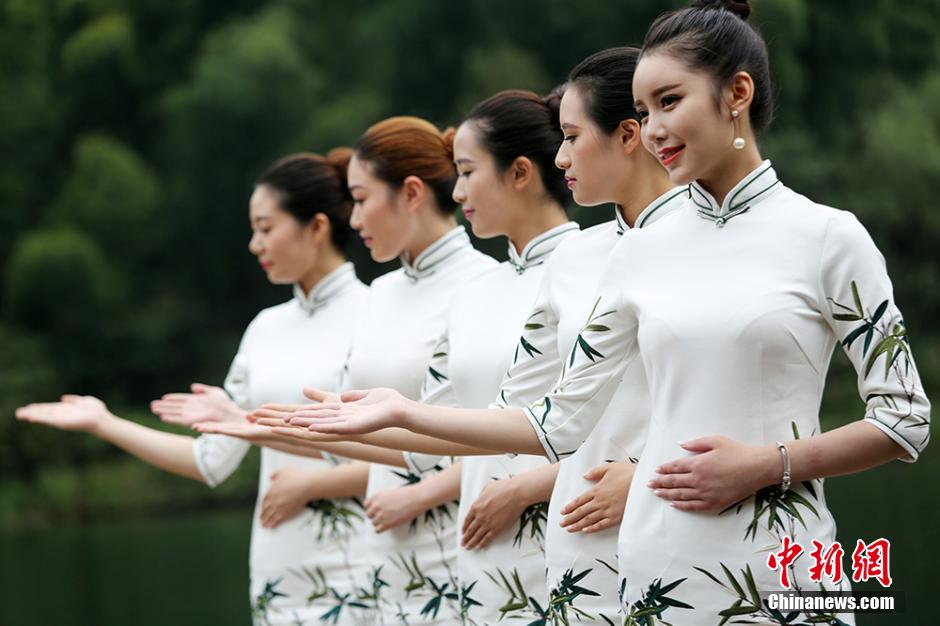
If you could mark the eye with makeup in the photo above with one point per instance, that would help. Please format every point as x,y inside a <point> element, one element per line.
<point>668,101</point>
<point>570,138</point>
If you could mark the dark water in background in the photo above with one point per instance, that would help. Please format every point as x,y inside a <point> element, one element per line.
<point>179,571</point>
<point>192,570</point>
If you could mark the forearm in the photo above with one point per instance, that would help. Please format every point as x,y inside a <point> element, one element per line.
<point>364,452</point>
<point>343,481</point>
<point>536,485</point>
<point>407,441</point>
<point>441,487</point>
<point>167,451</point>
<point>845,450</point>
<point>501,430</point>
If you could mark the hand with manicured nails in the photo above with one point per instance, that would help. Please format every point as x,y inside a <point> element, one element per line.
<point>394,507</point>
<point>496,510</point>
<point>290,491</point>
<point>600,507</point>
<point>204,404</point>
<point>720,473</point>
<point>72,412</point>
<point>356,413</point>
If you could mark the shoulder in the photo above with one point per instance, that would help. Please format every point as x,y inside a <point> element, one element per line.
<point>588,239</point>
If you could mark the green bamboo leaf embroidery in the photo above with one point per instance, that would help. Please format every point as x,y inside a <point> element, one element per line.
<point>533,326</point>
<point>596,328</point>
<point>858,301</point>
<point>879,312</point>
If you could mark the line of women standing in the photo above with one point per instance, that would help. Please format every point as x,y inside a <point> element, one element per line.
<point>677,353</point>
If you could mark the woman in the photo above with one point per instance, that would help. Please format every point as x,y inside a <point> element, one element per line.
<point>401,177</point>
<point>299,214</point>
<point>735,332</point>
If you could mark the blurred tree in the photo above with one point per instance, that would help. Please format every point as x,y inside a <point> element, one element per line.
<point>114,197</point>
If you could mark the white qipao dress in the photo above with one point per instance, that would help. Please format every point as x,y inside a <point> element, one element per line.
<point>734,311</point>
<point>581,573</point>
<point>468,364</point>
<point>300,343</point>
<point>413,567</point>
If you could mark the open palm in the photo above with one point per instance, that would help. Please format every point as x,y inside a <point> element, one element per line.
<point>81,413</point>
<point>358,413</point>
<point>204,404</point>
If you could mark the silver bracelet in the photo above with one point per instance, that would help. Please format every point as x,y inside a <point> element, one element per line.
<point>785,482</point>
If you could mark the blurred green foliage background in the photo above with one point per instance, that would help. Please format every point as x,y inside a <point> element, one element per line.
<point>132,132</point>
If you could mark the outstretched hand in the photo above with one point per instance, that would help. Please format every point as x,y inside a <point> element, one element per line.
<point>720,473</point>
<point>72,412</point>
<point>356,413</point>
<point>204,404</point>
<point>253,433</point>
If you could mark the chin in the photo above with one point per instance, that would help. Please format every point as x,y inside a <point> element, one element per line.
<point>380,256</point>
<point>482,232</point>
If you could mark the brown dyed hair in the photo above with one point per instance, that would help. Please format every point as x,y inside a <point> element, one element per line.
<point>399,147</point>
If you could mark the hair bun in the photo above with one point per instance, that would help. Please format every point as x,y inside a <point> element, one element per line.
<point>741,8</point>
<point>447,136</point>
<point>552,101</point>
<point>339,158</point>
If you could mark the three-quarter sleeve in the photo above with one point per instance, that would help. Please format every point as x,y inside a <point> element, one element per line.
<point>591,371</point>
<point>535,362</point>
<point>438,390</point>
<point>857,299</point>
<point>217,456</point>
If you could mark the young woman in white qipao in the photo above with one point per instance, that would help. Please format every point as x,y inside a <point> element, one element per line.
<point>734,305</point>
<point>300,554</point>
<point>401,178</point>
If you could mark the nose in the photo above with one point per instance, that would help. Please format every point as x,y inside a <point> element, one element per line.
<point>254,244</point>
<point>459,194</point>
<point>562,160</point>
<point>653,131</point>
<point>355,218</point>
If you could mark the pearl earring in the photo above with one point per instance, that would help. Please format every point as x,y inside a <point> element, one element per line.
<point>738,142</point>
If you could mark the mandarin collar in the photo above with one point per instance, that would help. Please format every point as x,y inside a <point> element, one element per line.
<point>540,247</point>
<point>753,188</point>
<point>427,263</point>
<point>329,286</point>
<point>656,209</point>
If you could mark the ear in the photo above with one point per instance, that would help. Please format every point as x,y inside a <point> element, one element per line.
<point>628,133</point>
<point>740,92</point>
<point>412,193</point>
<point>521,173</point>
<point>319,227</point>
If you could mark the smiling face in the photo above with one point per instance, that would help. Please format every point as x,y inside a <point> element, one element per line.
<point>379,213</point>
<point>481,190</point>
<point>590,158</point>
<point>682,123</point>
<point>286,249</point>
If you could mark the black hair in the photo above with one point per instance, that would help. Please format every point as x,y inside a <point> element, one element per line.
<point>714,36</point>
<point>605,82</point>
<point>517,123</point>
<point>307,184</point>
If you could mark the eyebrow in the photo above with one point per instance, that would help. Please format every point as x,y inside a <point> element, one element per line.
<point>664,88</point>
<point>568,125</point>
<point>462,161</point>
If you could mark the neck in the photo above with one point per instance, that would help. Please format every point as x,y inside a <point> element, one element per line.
<point>539,216</point>
<point>432,229</point>
<point>325,265</point>
<point>649,182</point>
<point>723,179</point>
